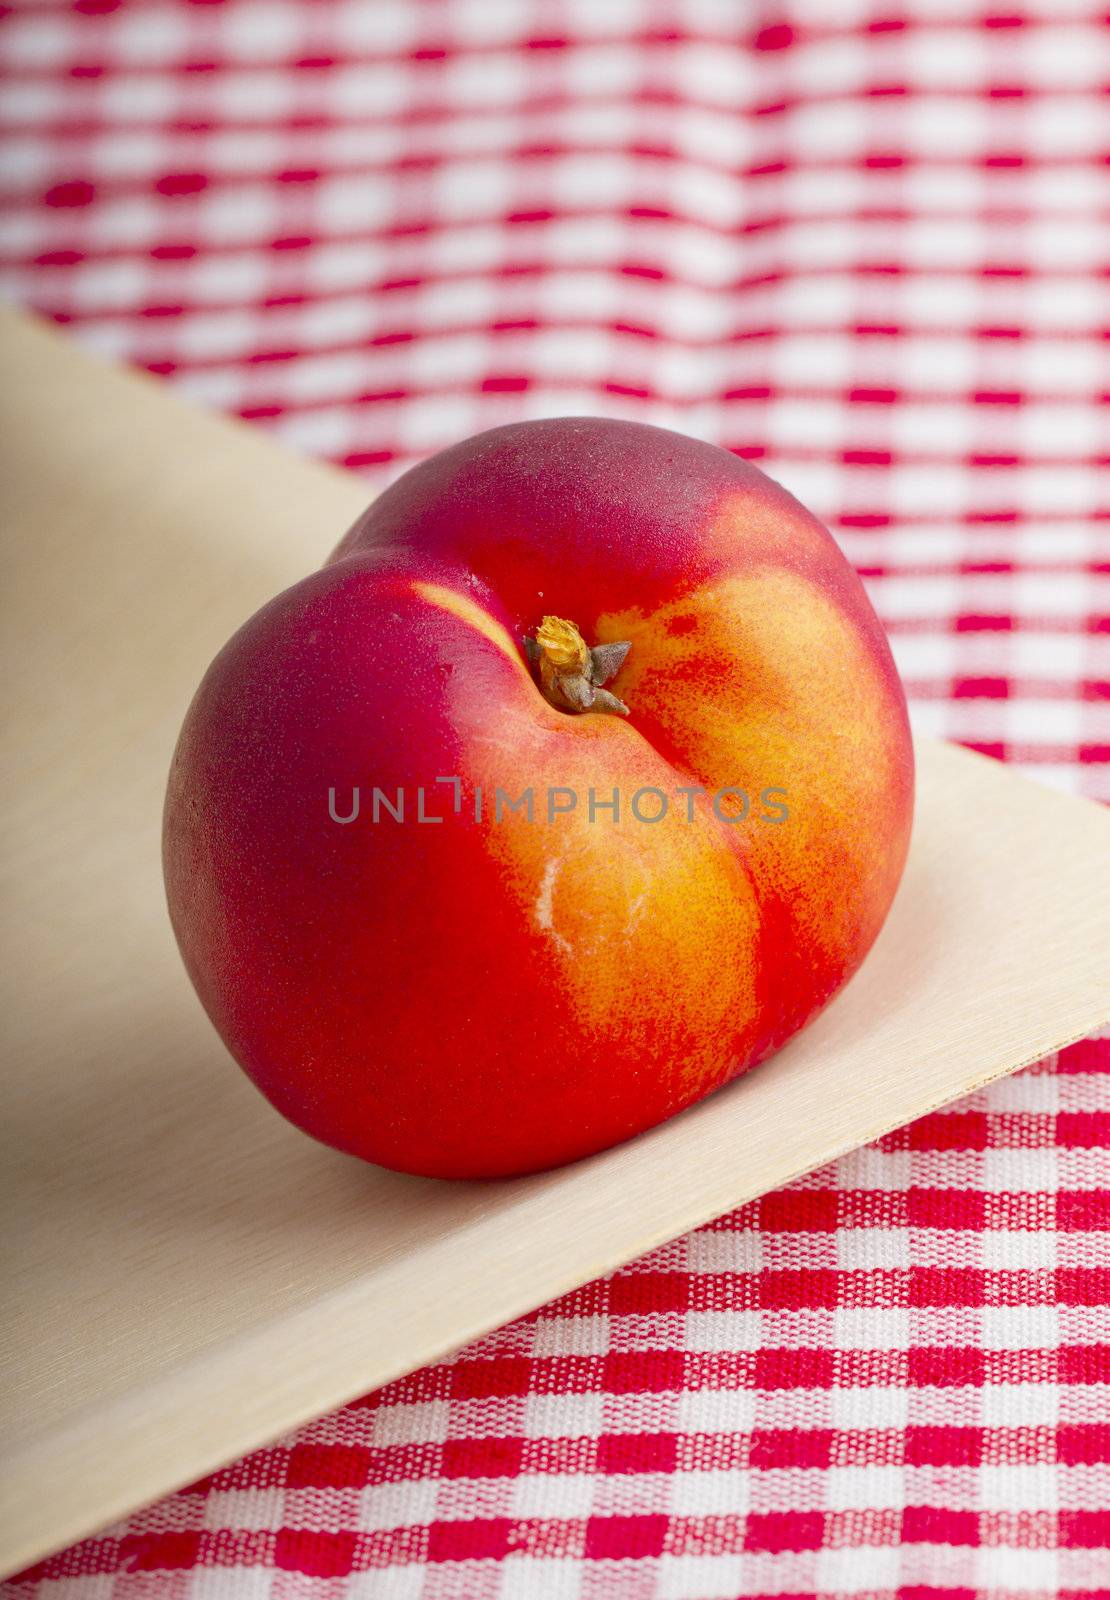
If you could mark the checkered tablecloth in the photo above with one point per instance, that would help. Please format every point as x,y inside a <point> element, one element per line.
<point>859,242</point>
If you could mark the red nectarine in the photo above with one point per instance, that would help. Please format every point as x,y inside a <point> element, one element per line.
<point>575,783</point>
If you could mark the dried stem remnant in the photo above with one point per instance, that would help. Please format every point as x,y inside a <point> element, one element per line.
<point>572,674</point>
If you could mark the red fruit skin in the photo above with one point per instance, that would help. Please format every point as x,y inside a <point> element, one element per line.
<point>477,998</point>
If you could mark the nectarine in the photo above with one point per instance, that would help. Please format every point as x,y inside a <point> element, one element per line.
<point>575,783</point>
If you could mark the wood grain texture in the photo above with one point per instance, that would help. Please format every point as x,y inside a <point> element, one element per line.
<point>186,1276</point>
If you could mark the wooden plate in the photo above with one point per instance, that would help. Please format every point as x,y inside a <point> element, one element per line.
<point>187,1276</point>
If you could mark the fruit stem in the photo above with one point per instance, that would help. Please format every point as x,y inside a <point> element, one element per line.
<point>571,674</point>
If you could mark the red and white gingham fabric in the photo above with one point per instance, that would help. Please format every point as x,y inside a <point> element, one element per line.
<point>860,243</point>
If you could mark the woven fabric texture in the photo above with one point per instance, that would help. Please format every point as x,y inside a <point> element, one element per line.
<point>860,243</point>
